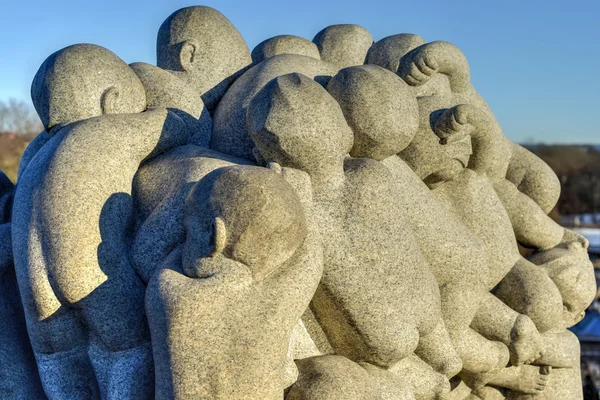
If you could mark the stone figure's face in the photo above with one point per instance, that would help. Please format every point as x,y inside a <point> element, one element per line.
<point>435,160</point>
<point>573,274</point>
<point>574,286</point>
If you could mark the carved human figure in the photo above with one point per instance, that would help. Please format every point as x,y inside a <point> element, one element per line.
<point>555,296</point>
<point>377,296</point>
<point>554,293</point>
<point>439,68</point>
<point>284,44</point>
<point>160,188</point>
<point>518,176</point>
<point>328,377</point>
<point>223,307</point>
<point>230,134</point>
<point>480,194</point>
<point>343,45</point>
<point>18,372</point>
<point>201,46</point>
<point>72,220</point>
<point>456,255</point>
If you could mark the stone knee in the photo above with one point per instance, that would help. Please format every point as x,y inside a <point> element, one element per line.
<point>115,313</point>
<point>331,378</point>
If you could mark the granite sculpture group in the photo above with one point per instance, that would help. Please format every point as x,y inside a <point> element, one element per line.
<point>335,219</point>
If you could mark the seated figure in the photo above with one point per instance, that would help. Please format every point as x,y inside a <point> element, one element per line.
<point>459,151</point>
<point>526,186</point>
<point>456,255</point>
<point>73,215</point>
<point>554,293</point>
<point>377,297</point>
<point>222,308</point>
<point>555,296</point>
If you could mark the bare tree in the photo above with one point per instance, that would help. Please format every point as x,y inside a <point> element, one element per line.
<point>20,118</point>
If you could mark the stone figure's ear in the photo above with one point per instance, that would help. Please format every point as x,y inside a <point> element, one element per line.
<point>220,236</point>
<point>579,317</point>
<point>108,102</point>
<point>187,54</point>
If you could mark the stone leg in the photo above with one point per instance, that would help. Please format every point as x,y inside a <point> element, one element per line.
<point>18,369</point>
<point>122,356</point>
<point>335,377</point>
<point>478,354</point>
<point>437,350</point>
<point>68,375</point>
<point>425,383</point>
<point>60,349</point>
<point>497,321</point>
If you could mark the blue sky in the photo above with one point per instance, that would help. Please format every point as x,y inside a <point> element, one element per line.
<point>536,62</point>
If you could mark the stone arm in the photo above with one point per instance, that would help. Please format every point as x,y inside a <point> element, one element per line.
<point>497,321</point>
<point>32,149</point>
<point>419,65</point>
<point>533,177</point>
<point>491,151</point>
<point>562,350</point>
<point>159,234</point>
<point>162,130</point>
<point>533,228</point>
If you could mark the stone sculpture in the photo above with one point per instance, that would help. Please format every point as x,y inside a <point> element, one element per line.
<point>18,372</point>
<point>327,219</point>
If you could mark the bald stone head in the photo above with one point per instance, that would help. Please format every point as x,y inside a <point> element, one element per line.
<point>388,51</point>
<point>344,45</point>
<point>84,81</point>
<point>380,108</point>
<point>247,214</point>
<point>294,121</point>
<point>204,46</point>
<point>284,44</point>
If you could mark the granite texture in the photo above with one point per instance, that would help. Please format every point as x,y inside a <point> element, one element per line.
<point>202,47</point>
<point>392,117</point>
<point>18,371</point>
<point>343,45</point>
<point>335,219</point>
<point>248,261</point>
<point>71,220</point>
<point>284,44</point>
<point>296,123</point>
<point>230,134</point>
<point>166,90</point>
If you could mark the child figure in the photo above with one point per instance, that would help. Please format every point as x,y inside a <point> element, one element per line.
<point>526,186</point>
<point>222,310</point>
<point>79,290</point>
<point>460,152</point>
<point>554,293</point>
<point>377,296</point>
<point>456,255</point>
